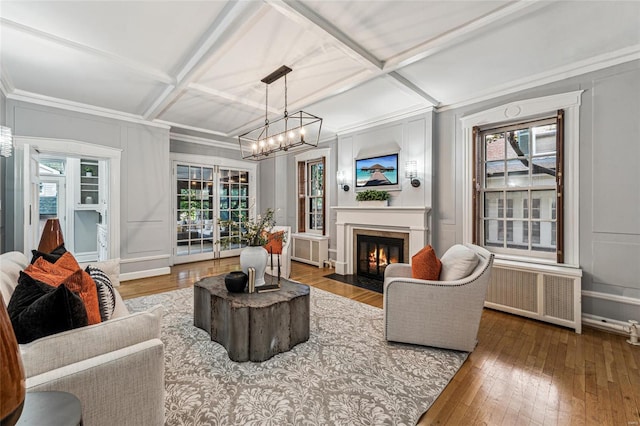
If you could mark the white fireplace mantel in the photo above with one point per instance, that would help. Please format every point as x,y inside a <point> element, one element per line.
<point>409,220</point>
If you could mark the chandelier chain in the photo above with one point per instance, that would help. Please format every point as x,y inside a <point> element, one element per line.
<point>286,113</point>
<point>266,106</point>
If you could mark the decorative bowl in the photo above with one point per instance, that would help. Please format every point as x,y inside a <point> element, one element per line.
<point>235,281</point>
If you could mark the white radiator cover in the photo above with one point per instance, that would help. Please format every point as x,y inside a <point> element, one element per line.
<point>543,292</point>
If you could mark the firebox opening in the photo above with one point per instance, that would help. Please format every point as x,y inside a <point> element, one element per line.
<point>375,253</point>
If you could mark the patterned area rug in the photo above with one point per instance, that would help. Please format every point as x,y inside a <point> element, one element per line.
<point>345,374</point>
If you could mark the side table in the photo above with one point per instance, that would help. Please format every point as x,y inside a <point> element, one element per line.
<point>51,408</point>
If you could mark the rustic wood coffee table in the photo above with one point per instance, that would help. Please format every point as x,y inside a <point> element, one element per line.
<point>252,327</point>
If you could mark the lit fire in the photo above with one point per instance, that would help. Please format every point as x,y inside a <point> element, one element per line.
<point>381,259</point>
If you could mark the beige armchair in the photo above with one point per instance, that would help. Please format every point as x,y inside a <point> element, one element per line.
<point>285,257</point>
<point>444,314</point>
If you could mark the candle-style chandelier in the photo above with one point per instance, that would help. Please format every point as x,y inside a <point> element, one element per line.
<point>290,132</point>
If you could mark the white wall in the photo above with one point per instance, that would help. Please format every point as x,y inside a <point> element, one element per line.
<point>411,137</point>
<point>609,191</point>
<point>145,181</point>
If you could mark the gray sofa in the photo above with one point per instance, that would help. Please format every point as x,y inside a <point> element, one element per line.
<point>115,368</point>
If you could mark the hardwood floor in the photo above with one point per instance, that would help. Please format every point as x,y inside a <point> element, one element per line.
<point>523,372</point>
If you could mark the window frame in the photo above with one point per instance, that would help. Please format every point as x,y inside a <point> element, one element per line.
<point>506,181</point>
<point>527,110</point>
<point>303,204</point>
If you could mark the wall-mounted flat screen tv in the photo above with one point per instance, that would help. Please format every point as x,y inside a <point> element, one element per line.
<point>377,171</point>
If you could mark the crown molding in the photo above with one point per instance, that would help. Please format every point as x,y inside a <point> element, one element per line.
<point>203,141</point>
<point>34,98</point>
<point>387,118</point>
<point>6,86</point>
<point>578,68</point>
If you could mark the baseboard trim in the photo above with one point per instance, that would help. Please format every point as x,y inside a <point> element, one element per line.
<point>145,259</point>
<point>128,276</point>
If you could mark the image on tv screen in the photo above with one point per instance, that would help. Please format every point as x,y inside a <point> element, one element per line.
<point>377,171</point>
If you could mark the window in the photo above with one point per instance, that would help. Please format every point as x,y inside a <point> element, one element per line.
<point>315,195</point>
<point>311,195</point>
<point>517,187</point>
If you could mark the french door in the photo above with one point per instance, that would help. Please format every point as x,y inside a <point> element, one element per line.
<point>204,194</point>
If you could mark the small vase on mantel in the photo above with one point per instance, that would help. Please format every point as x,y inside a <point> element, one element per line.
<point>255,257</point>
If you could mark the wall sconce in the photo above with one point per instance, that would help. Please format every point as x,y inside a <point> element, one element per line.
<point>342,180</point>
<point>6,141</point>
<point>411,172</point>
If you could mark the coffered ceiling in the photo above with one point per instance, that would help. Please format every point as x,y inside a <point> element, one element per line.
<point>197,65</point>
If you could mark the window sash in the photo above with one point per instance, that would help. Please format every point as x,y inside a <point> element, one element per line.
<point>524,228</point>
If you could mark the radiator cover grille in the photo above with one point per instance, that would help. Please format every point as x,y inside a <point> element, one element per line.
<point>558,297</point>
<point>516,289</point>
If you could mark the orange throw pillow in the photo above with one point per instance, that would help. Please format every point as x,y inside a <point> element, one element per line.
<point>425,265</point>
<point>274,242</point>
<point>66,270</point>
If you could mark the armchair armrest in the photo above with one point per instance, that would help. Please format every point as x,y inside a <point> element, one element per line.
<point>397,270</point>
<point>69,347</point>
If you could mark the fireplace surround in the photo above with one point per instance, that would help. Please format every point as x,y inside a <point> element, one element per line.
<point>409,222</point>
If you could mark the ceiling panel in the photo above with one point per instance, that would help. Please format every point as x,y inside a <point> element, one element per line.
<point>512,52</point>
<point>156,33</point>
<point>45,68</point>
<point>264,46</point>
<point>206,112</point>
<point>372,100</point>
<point>387,29</point>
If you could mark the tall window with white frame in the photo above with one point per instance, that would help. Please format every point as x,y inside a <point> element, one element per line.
<point>311,194</point>
<point>518,188</point>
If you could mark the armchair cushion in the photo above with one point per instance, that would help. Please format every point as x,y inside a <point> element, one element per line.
<point>457,263</point>
<point>425,265</point>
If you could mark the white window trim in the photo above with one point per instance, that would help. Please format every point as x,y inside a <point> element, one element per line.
<point>316,154</point>
<point>524,110</point>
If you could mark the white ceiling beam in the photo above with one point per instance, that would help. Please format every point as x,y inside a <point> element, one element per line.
<point>408,84</point>
<point>457,35</point>
<point>229,97</point>
<point>231,18</point>
<point>300,13</point>
<point>138,67</point>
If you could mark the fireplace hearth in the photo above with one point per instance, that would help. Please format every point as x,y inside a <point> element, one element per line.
<point>374,253</point>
